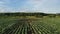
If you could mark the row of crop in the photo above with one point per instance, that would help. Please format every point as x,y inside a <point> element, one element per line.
<point>19,27</point>
<point>43,28</point>
<point>4,23</point>
<point>12,28</point>
<point>24,27</point>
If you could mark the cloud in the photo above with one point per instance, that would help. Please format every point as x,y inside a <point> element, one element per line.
<point>29,5</point>
<point>3,6</point>
<point>1,2</point>
<point>47,6</point>
<point>36,4</point>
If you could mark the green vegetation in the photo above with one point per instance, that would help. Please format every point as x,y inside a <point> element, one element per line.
<point>29,24</point>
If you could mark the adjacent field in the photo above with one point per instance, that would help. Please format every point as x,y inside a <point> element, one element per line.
<point>18,25</point>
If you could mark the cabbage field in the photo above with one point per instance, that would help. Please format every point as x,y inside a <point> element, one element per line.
<point>18,25</point>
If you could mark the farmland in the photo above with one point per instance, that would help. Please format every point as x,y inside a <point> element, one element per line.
<point>29,25</point>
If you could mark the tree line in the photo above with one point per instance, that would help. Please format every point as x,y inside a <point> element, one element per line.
<point>29,14</point>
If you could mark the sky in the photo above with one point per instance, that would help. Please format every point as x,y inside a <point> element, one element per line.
<point>46,6</point>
